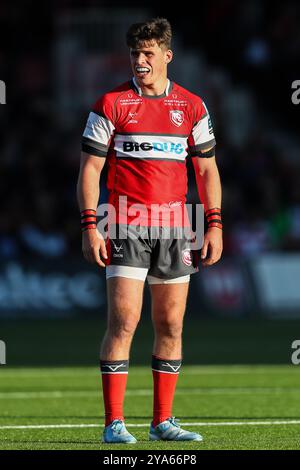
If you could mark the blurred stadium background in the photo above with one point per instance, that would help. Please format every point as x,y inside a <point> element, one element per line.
<point>55,60</point>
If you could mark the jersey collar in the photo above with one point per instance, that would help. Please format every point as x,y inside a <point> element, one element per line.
<point>138,90</point>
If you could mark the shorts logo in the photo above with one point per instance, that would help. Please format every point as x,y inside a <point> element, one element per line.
<point>176,117</point>
<point>118,249</point>
<point>186,257</point>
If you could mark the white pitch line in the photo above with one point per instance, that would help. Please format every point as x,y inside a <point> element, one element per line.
<point>148,392</point>
<point>188,370</point>
<point>144,425</point>
<point>53,394</point>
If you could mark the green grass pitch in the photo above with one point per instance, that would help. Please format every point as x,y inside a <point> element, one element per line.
<point>233,407</point>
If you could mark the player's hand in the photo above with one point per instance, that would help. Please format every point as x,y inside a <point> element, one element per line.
<point>212,247</point>
<point>93,247</point>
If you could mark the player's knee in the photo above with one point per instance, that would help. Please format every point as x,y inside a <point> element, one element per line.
<point>128,327</point>
<point>124,325</point>
<point>169,326</point>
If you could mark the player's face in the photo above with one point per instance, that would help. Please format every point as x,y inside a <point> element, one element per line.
<point>149,63</point>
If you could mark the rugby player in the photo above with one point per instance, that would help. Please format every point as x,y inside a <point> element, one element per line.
<point>145,129</point>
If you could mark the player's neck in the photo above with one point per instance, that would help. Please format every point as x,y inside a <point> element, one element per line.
<point>155,89</point>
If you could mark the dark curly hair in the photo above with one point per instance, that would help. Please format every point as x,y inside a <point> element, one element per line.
<point>156,29</point>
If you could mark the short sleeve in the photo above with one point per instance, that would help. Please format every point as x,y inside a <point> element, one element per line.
<point>99,129</point>
<point>202,135</point>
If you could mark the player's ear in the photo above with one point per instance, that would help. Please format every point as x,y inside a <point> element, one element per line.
<point>168,56</point>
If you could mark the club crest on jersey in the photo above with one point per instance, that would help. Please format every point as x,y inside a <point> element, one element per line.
<point>176,117</point>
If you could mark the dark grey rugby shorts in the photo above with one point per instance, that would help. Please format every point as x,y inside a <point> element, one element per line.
<point>154,252</point>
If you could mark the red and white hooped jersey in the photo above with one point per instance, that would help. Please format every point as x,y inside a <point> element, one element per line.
<point>146,140</point>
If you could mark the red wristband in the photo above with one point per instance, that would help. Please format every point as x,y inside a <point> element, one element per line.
<point>88,219</point>
<point>213,217</point>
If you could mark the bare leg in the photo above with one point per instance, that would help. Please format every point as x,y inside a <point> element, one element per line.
<point>168,308</point>
<point>125,297</point>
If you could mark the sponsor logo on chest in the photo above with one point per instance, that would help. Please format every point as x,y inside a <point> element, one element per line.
<point>151,146</point>
<point>165,147</point>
